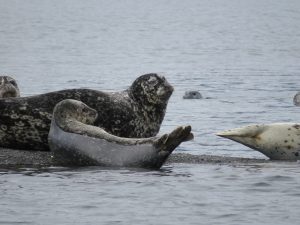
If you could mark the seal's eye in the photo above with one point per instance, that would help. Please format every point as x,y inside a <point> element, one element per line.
<point>14,83</point>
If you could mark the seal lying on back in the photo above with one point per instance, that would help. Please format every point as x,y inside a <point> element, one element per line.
<point>134,113</point>
<point>75,141</point>
<point>279,141</point>
<point>8,87</point>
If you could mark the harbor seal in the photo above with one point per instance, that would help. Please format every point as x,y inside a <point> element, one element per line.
<point>8,87</point>
<point>74,140</point>
<point>134,113</point>
<point>278,141</point>
<point>297,99</point>
<point>192,95</point>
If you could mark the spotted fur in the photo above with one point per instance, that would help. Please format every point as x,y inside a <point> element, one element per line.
<point>134,113</point>
<point>279,141</point>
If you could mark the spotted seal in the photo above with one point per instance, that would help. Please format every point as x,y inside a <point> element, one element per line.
<point>192,95</point>
<point>297,99</point>
<point>133,113</point>
<point>75,141</point>
<point>278,141</point>
<point>8,87</point>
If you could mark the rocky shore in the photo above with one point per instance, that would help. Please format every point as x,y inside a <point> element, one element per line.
<point>20,158</point>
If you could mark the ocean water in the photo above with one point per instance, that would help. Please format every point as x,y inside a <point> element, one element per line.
<point>242,55</point>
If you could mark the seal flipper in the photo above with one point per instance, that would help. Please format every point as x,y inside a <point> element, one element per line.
<point>168,142</point>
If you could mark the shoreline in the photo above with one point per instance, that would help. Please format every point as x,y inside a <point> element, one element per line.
<point>11,158</point>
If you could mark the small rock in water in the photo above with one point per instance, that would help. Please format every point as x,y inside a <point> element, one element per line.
<point>192,95</point>
<point>297,99</point>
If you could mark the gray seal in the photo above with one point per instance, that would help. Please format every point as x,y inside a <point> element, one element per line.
<point>133,113</point>
<point>297,99</point>
<point>8,87</point>
<point>74,140</point>
<point>192,95</point>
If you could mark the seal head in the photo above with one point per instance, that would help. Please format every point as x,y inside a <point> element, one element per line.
<point>192,95</point>
<point>8,87</point>
<point>151,90</point>
<point>68,111</point>
<point>297,99</point>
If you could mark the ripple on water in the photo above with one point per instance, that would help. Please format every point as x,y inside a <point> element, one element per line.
<point>208,46</point>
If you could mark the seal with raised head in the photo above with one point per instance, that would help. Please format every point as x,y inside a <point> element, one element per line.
<point>192,95</point>
<point>75,141</point>
<point>297,99</point>
<point>8,87</point>
<point>278,141</point>
<point>134,113</point>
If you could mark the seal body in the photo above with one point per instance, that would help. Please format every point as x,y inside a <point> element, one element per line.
<point>136,112</point>
<point>278,141</point>
<point>297,99</point>
<point>8,87</point>
<point>75,142</point>
<point>192,95</point>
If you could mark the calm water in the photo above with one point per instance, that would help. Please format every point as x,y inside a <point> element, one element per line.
<point>242,55</point>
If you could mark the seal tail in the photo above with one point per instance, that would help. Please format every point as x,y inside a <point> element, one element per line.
<point>168,142</point>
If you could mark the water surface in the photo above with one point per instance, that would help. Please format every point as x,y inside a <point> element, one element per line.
<point>242,55</point>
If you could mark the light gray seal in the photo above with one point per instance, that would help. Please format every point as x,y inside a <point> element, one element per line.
<point>297,99</point>
<point>192,95</point>
<point>8,87</point>
<point>278,141</point>
<point>73,139</point>
<point>133,113</point>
